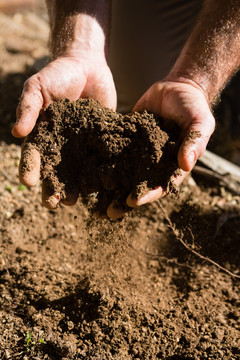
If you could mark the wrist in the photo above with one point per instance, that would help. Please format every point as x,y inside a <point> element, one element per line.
<point>81,36</point>
<point>211,54</point>
<point>78,52</point>
<point>190,77</point>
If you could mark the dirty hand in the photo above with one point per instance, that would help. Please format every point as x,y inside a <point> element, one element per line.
<point>186,104</point>
<point>65,77</point>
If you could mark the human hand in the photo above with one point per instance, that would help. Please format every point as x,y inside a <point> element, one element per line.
<point>186,104</point>
<point>65,77</point>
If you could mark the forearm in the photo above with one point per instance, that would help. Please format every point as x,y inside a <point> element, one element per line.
<point>78,27</point>
<point>212,53</point>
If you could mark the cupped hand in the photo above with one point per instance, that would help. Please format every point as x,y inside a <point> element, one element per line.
<point>185,103</point>
<point>65,77</point>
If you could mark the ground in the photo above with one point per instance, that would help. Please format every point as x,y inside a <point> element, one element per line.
<point>75,287</point>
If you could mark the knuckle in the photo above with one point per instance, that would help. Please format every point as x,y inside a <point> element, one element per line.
<point>32,83</point>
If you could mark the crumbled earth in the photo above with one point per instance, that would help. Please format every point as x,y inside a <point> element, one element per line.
<point>74,287</point>
<point>92,149</point>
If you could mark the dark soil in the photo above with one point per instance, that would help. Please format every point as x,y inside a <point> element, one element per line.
<point>91,149</point>
<point>73,287</point>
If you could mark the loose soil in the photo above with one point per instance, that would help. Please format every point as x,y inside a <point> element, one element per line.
<point>91,149</point>
<point>75,287</point>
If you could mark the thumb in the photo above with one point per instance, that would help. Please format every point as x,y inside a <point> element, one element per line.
<point>195,142</point>
<point>30,104</point>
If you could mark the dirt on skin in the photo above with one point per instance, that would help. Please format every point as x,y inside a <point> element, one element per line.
<point>86,148</point>
<point>73,287</point>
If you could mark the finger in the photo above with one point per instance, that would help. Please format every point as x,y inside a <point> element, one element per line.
<point>148,100</point>
<point>178,179</point>
<point>70,199</point>
<point>29,167</point>
<point>108,98</point>
<point>156,193</point>
<point>50,199</point>
<point>98,87</point>
<point>30,104</point>
<point>99,215</point>
<point>144,103</point>
<point>195,143</point>
<point>149,197</point>
<point>114,212</point>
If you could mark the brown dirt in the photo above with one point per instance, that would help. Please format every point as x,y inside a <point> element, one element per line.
<point>73,287</point>
<point>91,149</point>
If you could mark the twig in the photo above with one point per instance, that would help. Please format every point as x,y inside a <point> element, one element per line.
<point>220,166</point>
<point>180,238</point>
<point>164,258</point>
<point>227,180</point>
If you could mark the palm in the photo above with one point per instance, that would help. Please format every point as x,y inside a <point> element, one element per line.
<point>186,105</point>
<point>63,78</point>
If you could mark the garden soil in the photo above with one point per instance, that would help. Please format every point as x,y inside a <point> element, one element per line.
<point>76,287</point>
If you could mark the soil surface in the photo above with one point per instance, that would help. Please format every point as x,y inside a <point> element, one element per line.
<point>74,287</point>
<point>86,148</point>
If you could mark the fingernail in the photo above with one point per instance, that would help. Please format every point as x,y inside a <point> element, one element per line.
<point>114,212</point>
<point>192,158</point>
<point>131,201</point>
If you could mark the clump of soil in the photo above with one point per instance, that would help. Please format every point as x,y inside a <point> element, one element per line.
<point>87,148</point>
